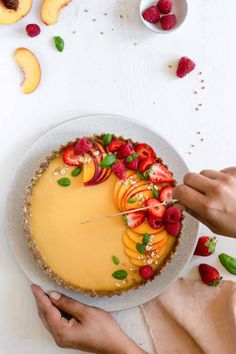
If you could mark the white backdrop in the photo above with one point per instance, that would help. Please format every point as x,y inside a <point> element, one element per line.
<point>123,71</point>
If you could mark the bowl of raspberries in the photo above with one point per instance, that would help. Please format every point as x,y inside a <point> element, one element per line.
<point>163,16</point>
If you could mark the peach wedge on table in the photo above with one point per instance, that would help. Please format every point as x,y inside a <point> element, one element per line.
<point>50,10</point>
<point>9,16</point>
<point>30,66</point>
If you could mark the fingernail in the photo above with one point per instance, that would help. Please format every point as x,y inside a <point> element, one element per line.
<point>54,295</point>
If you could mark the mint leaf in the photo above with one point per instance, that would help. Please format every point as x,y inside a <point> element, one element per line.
<point>64,182</point>
<point>77,171</point>
<point>115,260</point>
<point>140,248</point>
<point>132,200</point>
<point>108,161</point>
<point>120,274</point>
<point>59,43</point>
<point>145,239</point>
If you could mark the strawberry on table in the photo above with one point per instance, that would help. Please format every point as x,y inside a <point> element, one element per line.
<point>166,193</point>
<point>125,150</point>
<point>206,246</point>
<point>144,151</point>
<point>146,163</point>
<point>157,211</point>
<point>185,66</point>
<point>160,174</point>
<point>155,222</point>
<point>173,229</point>
<point>115,145</point>
<point>134,219</point>
<point>71,158</point>
<point>209,275</point>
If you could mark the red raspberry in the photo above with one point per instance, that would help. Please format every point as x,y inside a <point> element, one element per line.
<point>168,22</point>
<point>132,165</point>
<point>33,30</point>
<point>164,6</point>
<point>125,151</point>
<point>155,222</point>
<point>152,14</point>
<point>82,146</point>
<point>115,145</point>
<point>185,66</point>
<point>146,272</point>
<point>172,215</point>
<point>119,170</point>
<point>173,229</point>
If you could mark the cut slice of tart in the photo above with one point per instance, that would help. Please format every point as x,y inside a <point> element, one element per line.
<point>77,183</point>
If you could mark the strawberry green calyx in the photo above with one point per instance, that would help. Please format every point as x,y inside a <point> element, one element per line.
<point>211,244</point>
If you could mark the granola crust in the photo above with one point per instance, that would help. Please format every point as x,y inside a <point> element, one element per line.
<point>33,246</point>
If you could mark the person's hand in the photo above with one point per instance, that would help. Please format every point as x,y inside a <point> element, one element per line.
<point>88,329</point>
<point>211,198</point>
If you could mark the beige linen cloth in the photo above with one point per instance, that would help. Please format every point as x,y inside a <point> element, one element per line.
<point>193,318</point>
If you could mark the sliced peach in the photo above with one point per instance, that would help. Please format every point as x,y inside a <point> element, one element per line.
<point>133,235</point>
<point>129,243</point>
<point>140,197</point>
<point>7,16</point>
<point>124,187</point>
<point>118,185</point>
<point>160,236</point>
<point>90,169</point>
<point>145,228</point>
<point>50,10</point>
<point>135,254</point>
<point>160,250</point>
<point>157,246</point>
<point>133,187</point>
<point>29,64</point>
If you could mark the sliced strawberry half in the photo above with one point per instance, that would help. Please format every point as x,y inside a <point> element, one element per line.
<point>146,163</point>
<point>144,151</point>
<point>160,174</point>
<point>166,193</point>
<point>135,219</point>
<point>70,157</point>
<point>115,145</point>
<point>157,211</point>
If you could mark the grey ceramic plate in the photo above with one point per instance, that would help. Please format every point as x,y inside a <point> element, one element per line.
<point>89,125</point>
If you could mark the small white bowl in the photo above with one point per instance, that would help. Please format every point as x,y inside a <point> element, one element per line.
<point>180,9</point>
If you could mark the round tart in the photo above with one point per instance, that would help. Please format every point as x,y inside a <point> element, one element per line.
<point>89,179</point>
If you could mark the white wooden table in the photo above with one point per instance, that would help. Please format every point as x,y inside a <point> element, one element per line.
<point>112,64</point>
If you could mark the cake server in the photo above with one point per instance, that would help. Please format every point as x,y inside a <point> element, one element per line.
<point>167,202</point>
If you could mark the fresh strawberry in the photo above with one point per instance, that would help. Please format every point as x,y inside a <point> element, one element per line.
<point>70,157</point>
<point>118,168</point>
<point>144,151</point>
<point>157,211</point>
<point>166,193</point>
<point>168,22</point>
<point>125,150</point>
<point>132,165</point>
<point>155,223</point>
<point>205,246</point>
<point>164,6</point>
<point>134,219</point>
<point>146,272</point>
<point>173,229</point>
<point>209,275</point>
<point>146,163</point>
<point>82,146</point>
<point>33,30</point>
<point>172,215</point>
<point>185,66</point>
<point>115,145</point>
<point>152,14</point>
<point>160,174</point>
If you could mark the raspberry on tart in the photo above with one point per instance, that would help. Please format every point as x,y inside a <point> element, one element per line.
<point>93,177</point>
